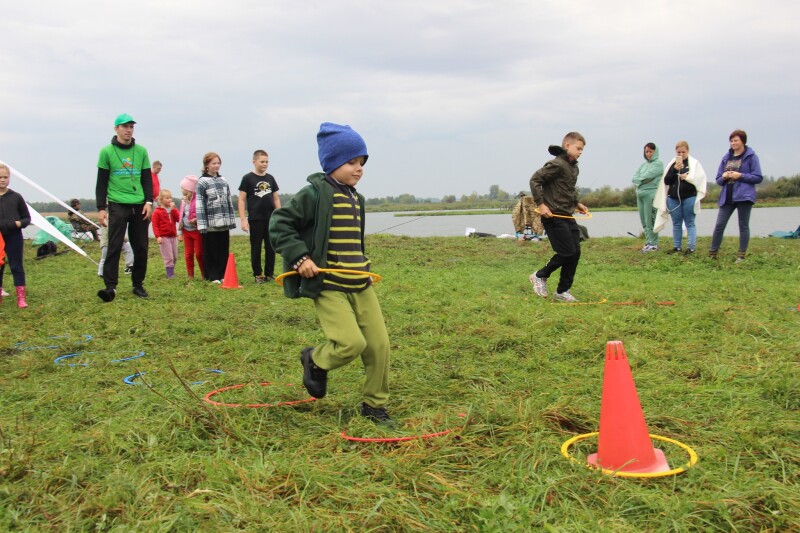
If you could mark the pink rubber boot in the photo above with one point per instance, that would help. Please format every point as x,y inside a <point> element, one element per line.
<point>21,303</point>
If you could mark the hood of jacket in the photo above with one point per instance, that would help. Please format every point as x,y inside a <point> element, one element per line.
<point>116,142</point>
<point>646,177</point>
<point>655,155</point>
<point>748,152</point>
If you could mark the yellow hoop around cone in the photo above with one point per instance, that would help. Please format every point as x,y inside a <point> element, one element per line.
<point>583,217</point>
<point>642,475</point>
<point>375,277</point>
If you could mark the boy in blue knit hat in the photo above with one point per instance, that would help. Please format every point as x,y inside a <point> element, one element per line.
<point>322,226</point>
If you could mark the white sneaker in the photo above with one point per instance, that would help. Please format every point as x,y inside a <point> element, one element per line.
<point>564,297</point>
<point>539,285</point>
<point>649,248</point>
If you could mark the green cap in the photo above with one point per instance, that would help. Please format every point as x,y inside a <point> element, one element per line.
<point>124,119</point>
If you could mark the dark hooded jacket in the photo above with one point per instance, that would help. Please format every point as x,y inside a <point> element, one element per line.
<point>554,183</point>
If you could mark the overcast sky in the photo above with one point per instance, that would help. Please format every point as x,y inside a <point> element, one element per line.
<point>450,96</point>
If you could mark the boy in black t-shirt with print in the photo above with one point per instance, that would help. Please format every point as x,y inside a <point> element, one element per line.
<point>260,191</point>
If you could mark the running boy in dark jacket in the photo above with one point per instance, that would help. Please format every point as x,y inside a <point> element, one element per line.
<point>554,192</point>
<point>322,226</point>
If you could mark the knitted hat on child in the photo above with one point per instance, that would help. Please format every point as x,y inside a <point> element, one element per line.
<point>338,145</point>
<point>189,183</point>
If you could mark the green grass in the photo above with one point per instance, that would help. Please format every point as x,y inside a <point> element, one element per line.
<point>81,450</point>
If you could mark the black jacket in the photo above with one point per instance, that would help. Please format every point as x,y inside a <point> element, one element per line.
<point>13,208</point>
<point>554,183</point>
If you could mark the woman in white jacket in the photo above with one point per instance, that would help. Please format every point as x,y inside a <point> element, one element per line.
<point>682,188</point>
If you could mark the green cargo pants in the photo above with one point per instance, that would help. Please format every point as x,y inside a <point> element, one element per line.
<point>353,324</point>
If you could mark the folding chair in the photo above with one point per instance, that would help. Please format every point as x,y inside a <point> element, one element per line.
<point>80,233</point>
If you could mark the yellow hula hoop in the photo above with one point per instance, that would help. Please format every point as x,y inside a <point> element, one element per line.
<point>554,302</point>
<point>641,475</point>
<point>375,277</point>
<point>587,216</point>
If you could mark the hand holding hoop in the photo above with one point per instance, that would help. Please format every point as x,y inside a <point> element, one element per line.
<point>585,216</point>
<point>375,277</point>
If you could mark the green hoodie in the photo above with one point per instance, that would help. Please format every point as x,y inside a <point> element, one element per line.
<point>648,177</point>
<point>302,227</point>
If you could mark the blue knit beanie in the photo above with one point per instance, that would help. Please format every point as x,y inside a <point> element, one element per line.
<point>338,145</point>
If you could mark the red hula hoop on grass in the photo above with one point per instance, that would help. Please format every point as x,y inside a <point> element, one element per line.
<point>408,438</point>
<point>207,398</point>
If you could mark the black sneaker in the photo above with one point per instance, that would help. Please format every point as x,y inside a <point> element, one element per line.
<point>315,379</point>
<point>674,251</point>
<point>689,251</point>
<point>140,292</point>
<point>377,415</point>
<point>128,271</point>
<point>107,295</point>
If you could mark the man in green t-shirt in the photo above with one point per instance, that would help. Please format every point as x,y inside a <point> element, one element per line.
<point>124,203</point>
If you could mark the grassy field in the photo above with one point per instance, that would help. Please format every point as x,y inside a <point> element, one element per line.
<point>82,450</point>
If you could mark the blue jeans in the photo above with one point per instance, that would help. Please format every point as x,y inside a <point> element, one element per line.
<point>682,212</point>
<point>724,214</point>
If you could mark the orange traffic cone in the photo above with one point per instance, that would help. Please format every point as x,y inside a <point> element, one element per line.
<point>231,279</point>
<point>624,443</point>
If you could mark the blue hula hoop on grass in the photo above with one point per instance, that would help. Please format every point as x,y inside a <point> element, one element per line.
<point>130,380</point>
<point>213,371</point>
<point>137,356</point>
<point>58,360</point>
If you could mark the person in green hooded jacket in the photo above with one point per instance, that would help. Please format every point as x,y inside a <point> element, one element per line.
<point>322,227</point>
<point>646,180</point>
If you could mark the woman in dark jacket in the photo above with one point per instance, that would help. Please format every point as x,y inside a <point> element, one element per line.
<point>738,173</point>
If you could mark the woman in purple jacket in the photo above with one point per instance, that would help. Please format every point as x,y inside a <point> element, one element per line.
<point>738,174</point>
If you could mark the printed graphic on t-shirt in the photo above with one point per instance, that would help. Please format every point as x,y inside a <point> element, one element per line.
<point>734,164</point>
<point>263,188</point>
<point>126,169</point>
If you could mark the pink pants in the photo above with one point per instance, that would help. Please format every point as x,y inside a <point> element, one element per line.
<point>169,250</point>
<point>193,248</point>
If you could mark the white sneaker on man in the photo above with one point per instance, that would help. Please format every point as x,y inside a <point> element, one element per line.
<point>564,297</point>
<point>539,285</point>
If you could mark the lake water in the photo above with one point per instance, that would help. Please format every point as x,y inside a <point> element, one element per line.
<point>763,221</point>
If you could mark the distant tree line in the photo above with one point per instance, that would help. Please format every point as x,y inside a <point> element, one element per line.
<point>783,187</point>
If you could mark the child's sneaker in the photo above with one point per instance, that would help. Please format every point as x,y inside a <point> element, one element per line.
<point>564,297</point>
<point>260,280</point>
<point>674,251</point>
<point>539,285</point>
<point>649,248</point>
<point>315,379</point>
<point>377,415</point>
